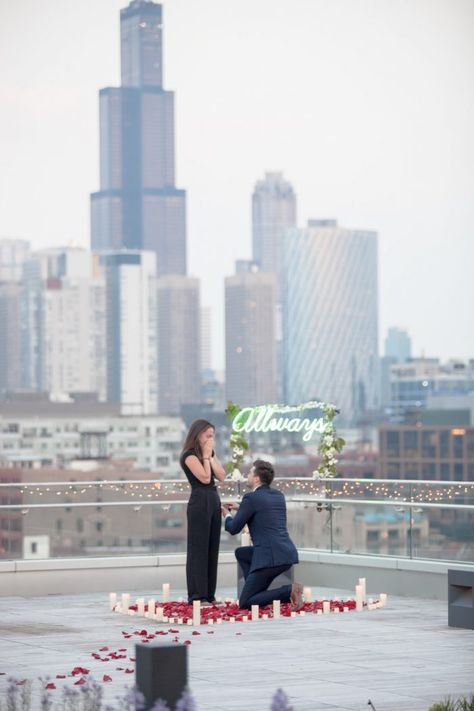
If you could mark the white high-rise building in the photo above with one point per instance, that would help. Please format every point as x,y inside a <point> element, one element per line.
<point>63,323</point>
<point>74,335</point>
<point>131,334</point>
<point>331,318</point>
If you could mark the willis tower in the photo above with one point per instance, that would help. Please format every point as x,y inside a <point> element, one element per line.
<point>138,205</point>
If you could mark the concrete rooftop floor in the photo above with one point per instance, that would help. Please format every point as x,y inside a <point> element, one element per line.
<point>403,657</point>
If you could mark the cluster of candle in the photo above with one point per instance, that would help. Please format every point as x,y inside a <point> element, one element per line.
<point>361,598</point>
<point>228,610</point>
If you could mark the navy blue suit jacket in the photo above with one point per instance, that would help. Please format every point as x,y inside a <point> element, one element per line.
<point>264,511</point>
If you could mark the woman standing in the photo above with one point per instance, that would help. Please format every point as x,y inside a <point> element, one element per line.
<point>202,468</point>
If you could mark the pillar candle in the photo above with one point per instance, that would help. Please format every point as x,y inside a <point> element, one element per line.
<point>180,620</point>
<point>196,612</point>
<point>231,619</point>
<point>189,622</point>
<point>245,618</point>
<point>345,609</point>
<point>131,613</point>
<point>336,609</point>
<point>125,602</point>
<point>362,584</point>
<point>112,600</point>
<point>159,614</point>
<point>264,617</point>
<point>118,607</point>
<point>302,613</point>
<point>383,599</point>
<point>319,612</point>
<point>254,612</point>
<point>151,607</point>
<point>326,606</point>
<point>276,609</point>
<point>210,621</point>
<point>140,606</point>
<point>359,598</point>
<point>166,592</point>
<point>165,619</point>
<point>293,614</point>
<point>218,621</point>
<point>307,594</point>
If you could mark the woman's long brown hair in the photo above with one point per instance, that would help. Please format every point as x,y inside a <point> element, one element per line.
<point>192,438</point>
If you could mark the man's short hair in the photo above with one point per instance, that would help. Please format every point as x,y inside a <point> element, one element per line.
<point>264,470</point>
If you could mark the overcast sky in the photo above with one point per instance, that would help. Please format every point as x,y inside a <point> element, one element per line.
<point>367,106</point>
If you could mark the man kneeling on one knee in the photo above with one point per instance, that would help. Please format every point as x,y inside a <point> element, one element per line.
<point>263,510</point>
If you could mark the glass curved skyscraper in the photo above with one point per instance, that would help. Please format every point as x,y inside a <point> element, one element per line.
<point>331,318</point>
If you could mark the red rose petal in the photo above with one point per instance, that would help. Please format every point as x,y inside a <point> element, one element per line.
<point>60,676</point>
<point>196,632</point>
<point>122,650</point>
<point>106,677</point>
<point>80,682</point>
<point>103,649</point>
<point>187,641</point>
<point>50,686</point>
<point>129,671</point>
<point>132,659</point>
<point>20,683</point>
<point>210,632</point>
<point>119,668</point>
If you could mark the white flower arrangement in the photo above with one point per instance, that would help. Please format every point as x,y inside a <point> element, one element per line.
<point>330,444</point>
<point>237,475</point>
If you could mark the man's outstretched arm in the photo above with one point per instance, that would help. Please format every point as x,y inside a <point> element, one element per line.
<point>236,523</point>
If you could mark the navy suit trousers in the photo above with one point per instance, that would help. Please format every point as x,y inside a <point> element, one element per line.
<point>255,590</point>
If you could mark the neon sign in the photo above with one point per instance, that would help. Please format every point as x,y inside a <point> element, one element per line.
<point>270,418</point>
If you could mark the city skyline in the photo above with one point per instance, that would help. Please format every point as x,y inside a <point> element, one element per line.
<point>402,164</point>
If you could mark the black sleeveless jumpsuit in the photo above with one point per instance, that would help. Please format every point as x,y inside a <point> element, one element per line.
<point>204,533</point>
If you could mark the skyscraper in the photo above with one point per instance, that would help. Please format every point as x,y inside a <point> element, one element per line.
<point>397,350</point>
<point>397,345</point>
<point>179,364</point>
<point>250,342</point>
<point>10,339</point>
<point>206,338</point>
<point>331,318</point>
<point>273,211</point>
<point>13,254</point>
<point>138,205</point>
<point>131,351</point>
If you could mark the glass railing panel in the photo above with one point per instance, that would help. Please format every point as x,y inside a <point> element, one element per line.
<point>370,529</point>
<point>424,519</point>
<point>307,525</point>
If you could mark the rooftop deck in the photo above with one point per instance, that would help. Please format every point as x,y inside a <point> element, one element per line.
<point>403,657</point>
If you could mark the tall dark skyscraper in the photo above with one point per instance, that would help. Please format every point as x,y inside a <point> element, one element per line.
<point>138,205</point>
